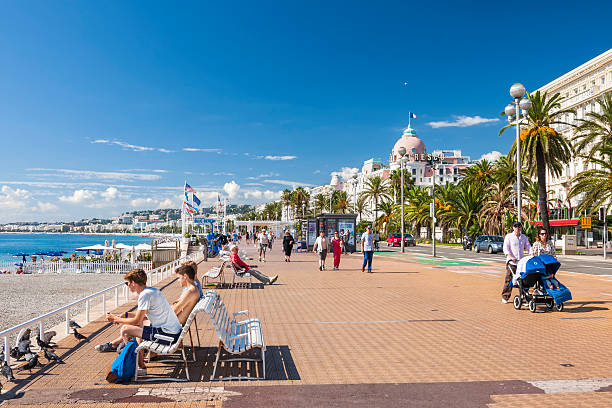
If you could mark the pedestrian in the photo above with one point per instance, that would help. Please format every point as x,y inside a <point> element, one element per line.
<point>376,239</point>
<point>336,244</point>
<point>270,239</point>
<point>320,247</point>
<point>242,266</point>
<point>287,246</point>
<point>515,245</point>
<point>345,240</point>
<point>263,245</point>
<point>367,247</point>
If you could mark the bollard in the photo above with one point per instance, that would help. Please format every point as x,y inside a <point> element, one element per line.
<point>87,311</point>
<point>67,321</point>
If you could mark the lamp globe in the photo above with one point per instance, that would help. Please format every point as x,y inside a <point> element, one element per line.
<point>402,151</point>
<point>525,104</point>
<point>517,91</point>
<point>510,110</point>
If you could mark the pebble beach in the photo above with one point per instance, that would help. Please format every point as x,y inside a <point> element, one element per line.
<point>28,296</point>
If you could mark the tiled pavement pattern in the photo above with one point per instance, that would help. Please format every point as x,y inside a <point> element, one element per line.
<point>433,333</point>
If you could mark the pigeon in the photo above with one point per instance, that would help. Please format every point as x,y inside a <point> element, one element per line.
<point>78,335</point>
<point>31,362</point>
<point>51,356</point>
<point>46,337</point>
<point>16,354</point>
<point>7,372</point>
<point>43,344</point>
<point>24,346</point>
<point>74,325</point>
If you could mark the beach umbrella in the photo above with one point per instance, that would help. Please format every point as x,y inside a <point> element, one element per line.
<point>123,246</point>
<point>54,253</point>
<point>143,247</point>
<point>22,255</point>
<point>18,264</point>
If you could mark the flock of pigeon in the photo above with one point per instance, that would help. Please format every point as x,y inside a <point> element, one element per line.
<point>23,351</point>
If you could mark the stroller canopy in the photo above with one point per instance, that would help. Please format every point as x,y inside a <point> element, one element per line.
<point>551,263</point>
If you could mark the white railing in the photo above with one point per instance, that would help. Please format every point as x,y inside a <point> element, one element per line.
<point>73,267</point>
<point>153,277</point>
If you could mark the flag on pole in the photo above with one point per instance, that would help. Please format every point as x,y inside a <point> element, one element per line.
<point>189,189</point>
<point>411,115</point>
<point>196,200</point>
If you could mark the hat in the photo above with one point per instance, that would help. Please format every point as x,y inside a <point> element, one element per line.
<point>517,224</point>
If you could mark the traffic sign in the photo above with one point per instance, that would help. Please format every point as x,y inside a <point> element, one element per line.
<point>585,222</point>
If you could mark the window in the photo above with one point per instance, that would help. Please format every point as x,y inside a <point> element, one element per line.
<point>414,172</point>
<point>603,80</point>
<point>584,87</point>
<point>455,171</point>
<point>575,91</point>
<point>441,172</point>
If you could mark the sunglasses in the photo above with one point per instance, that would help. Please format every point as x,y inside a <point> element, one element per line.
<point>127,283</point>
<point>543,233</point>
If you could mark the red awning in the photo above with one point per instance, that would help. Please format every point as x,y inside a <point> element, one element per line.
<point>560,223</point>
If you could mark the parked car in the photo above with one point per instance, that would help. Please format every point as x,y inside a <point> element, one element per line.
<point>394,240</point>
<point>490,243</point>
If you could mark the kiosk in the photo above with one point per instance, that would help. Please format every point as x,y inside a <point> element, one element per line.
<point>330,223</point>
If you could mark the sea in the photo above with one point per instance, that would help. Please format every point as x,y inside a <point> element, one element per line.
<point>11,244</point>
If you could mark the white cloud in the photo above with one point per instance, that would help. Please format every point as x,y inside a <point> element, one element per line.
<point>272,195</point>
<point>346,173</point>
<point>13,198</point>
<point>99,175</point>
<point>491,156</point>
<point>129,146</point>
<point>142,202</point>
<point>197,149</point>
<point>110,193</point>
<point>255,194</point>
<point>288,183</point>
<point>288,157</point>
<point>462,121</point>
<point>316,171</point>
<point>46,207</point>
<point>78,196</point>
<point>231,188</point>
<point>167,203</point>
<point>253,184</point>
<point>223,173</point>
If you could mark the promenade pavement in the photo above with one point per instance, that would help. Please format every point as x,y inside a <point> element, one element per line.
<point>411,334</point>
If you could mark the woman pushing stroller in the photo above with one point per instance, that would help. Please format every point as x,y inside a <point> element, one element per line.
<point>544,245</point>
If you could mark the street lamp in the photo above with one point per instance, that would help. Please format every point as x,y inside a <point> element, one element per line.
<point>402,153</point>
<point>433,209</point>
<point>517,91</point>
<point>303,208</point>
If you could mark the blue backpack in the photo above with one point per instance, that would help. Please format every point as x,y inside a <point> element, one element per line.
<point>124,366</point>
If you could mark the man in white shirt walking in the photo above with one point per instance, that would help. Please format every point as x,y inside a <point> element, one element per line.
<point>320,247</point>
<point>263,245</point>
<point>367,248</point>
<point>515,245</point>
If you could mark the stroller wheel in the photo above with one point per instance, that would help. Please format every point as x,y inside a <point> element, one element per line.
<point>532,306</point>
<point>517,302</point>
<point>550,304</point>
<point>559,307</point>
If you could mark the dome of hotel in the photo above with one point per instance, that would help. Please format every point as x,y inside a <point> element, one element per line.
<point>335,182</point>
<point>410,142</point>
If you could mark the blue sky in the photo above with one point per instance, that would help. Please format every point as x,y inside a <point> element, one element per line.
<point>110,106</point>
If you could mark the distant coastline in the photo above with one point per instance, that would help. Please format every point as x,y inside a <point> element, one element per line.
<point>140,234</point>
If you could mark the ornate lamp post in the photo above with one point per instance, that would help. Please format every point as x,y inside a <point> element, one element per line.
<point>517,91</point>
<point>402,152</point>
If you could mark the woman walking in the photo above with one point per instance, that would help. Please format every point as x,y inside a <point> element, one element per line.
<point>336,244</point>
<point>287,246</point>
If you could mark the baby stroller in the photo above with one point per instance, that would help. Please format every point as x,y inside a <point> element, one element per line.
<point>529,278</point>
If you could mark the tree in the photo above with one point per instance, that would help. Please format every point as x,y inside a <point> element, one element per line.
<point>387,208</point>
<point>395,180</point>
<point>595,132</point>
<point>320,203</point>
<point>500,201</point>
<point>595,184</point>
<point>300,199</point>
<point>480,174</point>
<point>286,200</point>
<point>376,189</point>
<point>340,202</point>
<point>417,210</point>
<point>542,147</point>
<point>362,207</point>
<point>466,206</point>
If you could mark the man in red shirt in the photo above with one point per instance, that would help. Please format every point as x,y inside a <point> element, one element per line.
<point>239,264</point>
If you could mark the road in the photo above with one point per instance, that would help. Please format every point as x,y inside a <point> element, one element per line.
<point>586,264</point>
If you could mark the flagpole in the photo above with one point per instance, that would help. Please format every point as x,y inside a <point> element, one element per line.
<point>183,220</point>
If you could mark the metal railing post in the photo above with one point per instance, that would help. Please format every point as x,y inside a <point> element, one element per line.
<point>103,304</point>
<point>6,349</point>
<point>87,311</point>
<point>116,297</point>
<point>67,321</point>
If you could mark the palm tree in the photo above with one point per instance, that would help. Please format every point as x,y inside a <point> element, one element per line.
<point>300,199</point>
<point>376,189</point>
<point>320,203</point>
<point>499,202</point>
<point>340,202</point>
<point>466,206</point>
<point>387,208</point>
<point>286,200</point>
<point>542,147</point>
<point>362,207</point>
<point>444,203</point>
<point>595,132</point>
<point>595,184</point>
<point>417,211</point>
<point>480,173</point>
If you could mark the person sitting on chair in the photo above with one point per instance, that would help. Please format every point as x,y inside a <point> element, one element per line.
<point>240,265</point>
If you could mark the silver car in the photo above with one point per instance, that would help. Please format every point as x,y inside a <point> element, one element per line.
<point>490,243</point>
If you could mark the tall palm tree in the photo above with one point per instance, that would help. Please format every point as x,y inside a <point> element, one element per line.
<point>340,202</point>
<point>466,206</point>
<point>286,200</point>
<point>595,184</point>
<point>300,199</point>
<point>481,173</point>
<point>376,189</point>
<point>500,201</point>
<point>387,208</point>
<point>417,211</point>
<point>542,147</point>
<point>362,207</point>
<point>595,132</point>
<point>320,203</point>
<point>444,203</point>
<point>395,180</point>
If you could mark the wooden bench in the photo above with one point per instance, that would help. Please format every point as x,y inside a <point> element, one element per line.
<point>239,339</point>
<point>166,349</point>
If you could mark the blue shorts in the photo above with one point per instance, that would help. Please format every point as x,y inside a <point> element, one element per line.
<point>149,332</point>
